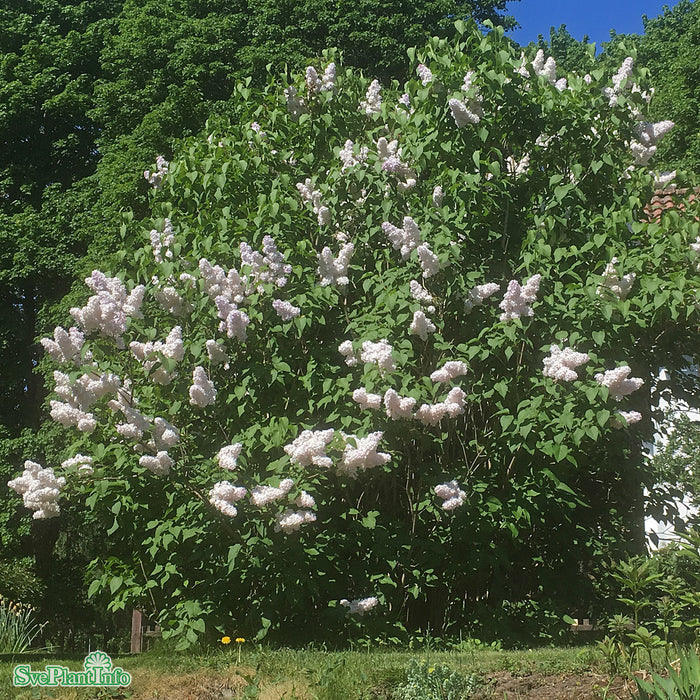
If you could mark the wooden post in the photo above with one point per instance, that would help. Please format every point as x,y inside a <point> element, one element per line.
<point>136,640</point>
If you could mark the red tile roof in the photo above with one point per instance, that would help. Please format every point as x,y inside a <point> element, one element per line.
<point>670,199</point>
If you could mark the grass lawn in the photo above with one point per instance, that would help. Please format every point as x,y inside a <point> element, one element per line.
<point>577,673</point>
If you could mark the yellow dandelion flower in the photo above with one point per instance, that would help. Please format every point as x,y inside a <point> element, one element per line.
<point>226,640</point>
<point>239,640</point>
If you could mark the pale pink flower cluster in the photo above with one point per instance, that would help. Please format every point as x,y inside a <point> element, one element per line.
<point>79,396</point>
<point>450,370</point>
<point>612,283</point>
<point>163,239</point>
<point>421,325</point>
<point>224,495</point>
<point>345,349</point>
<point>389,155</point>
<point>68,415</point>
<point>291,520</point>
<point>405,101</point>
<point>164,435</point>
<point>233,320</point>
<point>630,417</point>
<point>109,308</point>
<point>428,261</point>
<point>40,490</point>
<point>285,309</point>
<point>159,463</point>
<point>262,495</point>
<point>421,294</point>
<point>378,353</point>
<point>66,345</point>
<point>155,179</point>
<point>438,194</point>
<point>169,298</point>
<point>648,134</point>
<point>372,104</point>
<point>217,354</point>
<point>227,456</point>
<point>517,299</point>
<point>335,270</point>
<point>363,454</point>
<point>561,363</point>
<point>348,157</point>
<point>231,286</point>
<point>452,496</point>
<point>359,606</point>
<point>80,462</point>
<point>310,448</point>
<point>147,354</point>
<point>617,382</point>
<point>452,406</point>
<point>315,84</point>
<point>136,423</point>
<point>479,294</point>
<point>267,267</point>
<point>404,239</point>
<point>424,73</point>
<point>398,406</point>
<point>367,400</point>
<point>202,391</point>
<point>469,112</point>
<point>295,104</point>
<point>313,197</point>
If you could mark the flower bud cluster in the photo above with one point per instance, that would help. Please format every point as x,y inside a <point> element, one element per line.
<point>227,456</point>
<point>517,299</point>
<point>561,363</point>
<point>202,391</point>
<point>372,104</point>
<point>313,197</point>
<point>155,179</point>
<point>359,606</point>
<point>611,282</point>
<point>453,497</point>
<point>164,239</point>
<point>335,270</point>
<point>224,494</point>
<point>66,345</point>
<point>617,382</point>
<point>109,308</point>
<point>40,490</point>
<point>479,294</point>
<point>453,405</point>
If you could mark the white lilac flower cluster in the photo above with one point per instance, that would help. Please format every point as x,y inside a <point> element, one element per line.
<point>517,299</point>
<point>469,110</point>
<point>314,84</point>
<point>421,325</point>
<point>224,494</point>
<point>346,350</point>
<point>428,261</point>
<point>216,354</point>
<point>389,155</point>
<point>107,311</point>
<point>403,239</point>
<point>619,81</point>
<point>359,606</point>
<point>295,104</point>
<point>66,345</point>
<point>546,68</point>
<point>561,363</point>
<point>421,294</point>
<point>617,382</point>
<point>81,463</point>
<point>228,455</point>
<point>40,490</point>
<point>155,179</point>
<point>164,239</point>
<point>202,391</point>
<point>361,453</point>
<point>452,406</point>
<point>437,197</point>
<point>452,496</point>
<point>613,284</point>
<point>372,104</point>
<point>479,294</point>
<point>648,133</point>
<point>285,309</point>
<point>629,417</point>
<point>262,495</point>
<point>405,102</point>
<point>158,463</point>
<point>169,298</point>
<point>291,520</point>
<point>313,197</point>
<point>367,400</point>
<point>267,267</point>
<point>310,448</point>
<point>349,159</point>
<point>398,407</point>
<point>147,354</point>
<point>377,353</point>
<point>335,270</point>
<point>425,74</point>
<point>79,396</point>
<point>517,167</point>
<point>450,370</point>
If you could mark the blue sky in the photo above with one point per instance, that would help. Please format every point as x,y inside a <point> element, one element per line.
<point>593,17</point>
